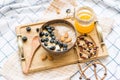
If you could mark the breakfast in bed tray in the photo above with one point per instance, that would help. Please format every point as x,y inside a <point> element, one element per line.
<point>60,42</point>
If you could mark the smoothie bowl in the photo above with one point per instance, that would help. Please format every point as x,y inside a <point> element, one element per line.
<point>57,36</point>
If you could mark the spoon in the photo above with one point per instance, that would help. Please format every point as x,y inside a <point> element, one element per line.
<point>35,46</point>
<point>100,35</point>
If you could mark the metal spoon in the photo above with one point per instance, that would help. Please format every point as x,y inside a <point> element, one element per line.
<point>100,35</point>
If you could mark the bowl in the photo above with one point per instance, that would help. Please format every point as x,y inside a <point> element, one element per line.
<point>57,36</point>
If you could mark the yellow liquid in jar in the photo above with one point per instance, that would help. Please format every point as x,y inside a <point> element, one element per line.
<point>84,28</point>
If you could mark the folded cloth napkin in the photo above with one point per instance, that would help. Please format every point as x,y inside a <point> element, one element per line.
<point>12,68</point>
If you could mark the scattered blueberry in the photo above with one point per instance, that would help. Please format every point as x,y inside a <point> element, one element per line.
<point>24,38</point>
<point>68,11</point>
<point>28,29</point>
<point>41,34</point>
<point>37,29</point>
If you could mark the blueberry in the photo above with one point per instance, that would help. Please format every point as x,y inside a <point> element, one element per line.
<point>48,27</point>
<point>60,44</point>
<point>28,29</point>
<point>64,49</point>
<point>24,38</point>
<point>56,42</point>
<point>46,34</point>
<point>49,30</point>
<point>42,40</point>
<point>46,39</point>
<point>51,34</point>
<point>41,34</point>
<point>37,29</point>
<point>65,45</point>
<point>51,41</point>
<point>53,37</point>
<point>46,44</point>
<point>52,48</point>
<point>52,28</point>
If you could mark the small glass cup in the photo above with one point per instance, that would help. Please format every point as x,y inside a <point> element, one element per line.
<point>84,19</point>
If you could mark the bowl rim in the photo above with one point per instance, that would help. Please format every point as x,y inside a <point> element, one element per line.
<point>58,21</point>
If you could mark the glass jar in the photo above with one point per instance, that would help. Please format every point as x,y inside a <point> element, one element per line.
<point>84,19</point>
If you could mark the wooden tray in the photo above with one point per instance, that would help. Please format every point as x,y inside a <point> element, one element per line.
<point>61,60</point>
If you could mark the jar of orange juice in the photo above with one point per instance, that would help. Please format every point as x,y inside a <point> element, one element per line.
<point>84,19</point>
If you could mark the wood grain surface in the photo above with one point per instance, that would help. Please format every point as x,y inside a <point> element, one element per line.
<point>58,60</point>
